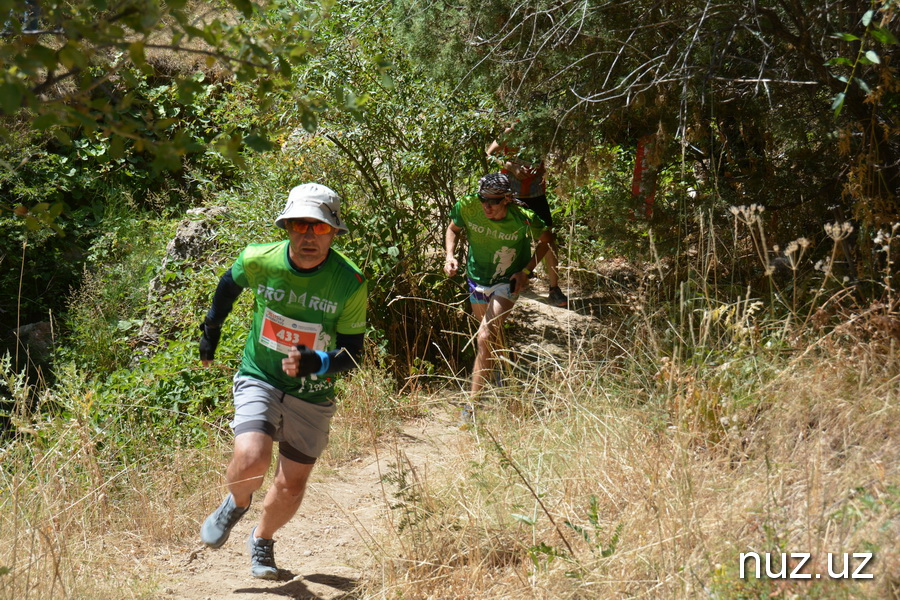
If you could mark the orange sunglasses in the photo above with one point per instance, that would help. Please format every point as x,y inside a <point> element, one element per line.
<point>319,228</point>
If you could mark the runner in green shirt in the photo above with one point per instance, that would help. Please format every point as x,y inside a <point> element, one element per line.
<point>309,317</point>
<point>526,178</point>
<point>500,234</point>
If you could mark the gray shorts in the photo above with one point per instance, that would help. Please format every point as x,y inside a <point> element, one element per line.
<point>299,427</point>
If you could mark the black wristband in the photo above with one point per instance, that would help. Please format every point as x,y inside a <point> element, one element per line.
<point>310,361</point>
<point>209,340</point>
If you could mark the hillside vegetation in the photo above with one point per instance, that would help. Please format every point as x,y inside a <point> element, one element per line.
<point>741,394</point>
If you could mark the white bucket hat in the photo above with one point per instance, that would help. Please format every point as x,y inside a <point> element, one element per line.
<point>313,201</point>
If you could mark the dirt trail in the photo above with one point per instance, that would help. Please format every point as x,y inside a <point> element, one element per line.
<point>324,550</point>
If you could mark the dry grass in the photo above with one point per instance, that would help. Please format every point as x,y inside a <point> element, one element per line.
<point>95,512</point>
<point>369,407</point>
<point>87,510</point>
<point>92,511</point>
<point>193,54</point>
<point>80,520</point>
<point>810,464</point>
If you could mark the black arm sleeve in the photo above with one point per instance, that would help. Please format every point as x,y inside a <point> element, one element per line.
<point>226,293</point>
<point>348,354</point>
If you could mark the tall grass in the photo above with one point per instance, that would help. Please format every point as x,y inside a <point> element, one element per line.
<point>811,466</point>
<point>86,509</point>
<point>720,426</point>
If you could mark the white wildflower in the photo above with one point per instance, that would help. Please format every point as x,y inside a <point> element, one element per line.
<point>749,215</point>
<point>838,231</point>
<point>800,244</point>
<point>824,266</point>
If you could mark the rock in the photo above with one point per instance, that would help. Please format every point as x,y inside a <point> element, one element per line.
<point>36,340</point>
<point>194,238</point>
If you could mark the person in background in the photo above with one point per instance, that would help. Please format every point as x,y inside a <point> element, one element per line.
<point>500,235</point>
<point>308,323</point>
<point>528,186</point>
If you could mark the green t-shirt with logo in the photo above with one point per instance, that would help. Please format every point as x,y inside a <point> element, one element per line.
<point>497,249</point>
<point>292,307</point>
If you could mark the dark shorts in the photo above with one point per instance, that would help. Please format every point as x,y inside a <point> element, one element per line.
<point>541,208</point>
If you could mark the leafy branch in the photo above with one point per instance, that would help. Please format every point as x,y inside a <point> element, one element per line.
<point>73,66</point>
<point>864,55</point>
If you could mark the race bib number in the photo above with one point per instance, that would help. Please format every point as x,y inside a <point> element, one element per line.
<point>281,333</point>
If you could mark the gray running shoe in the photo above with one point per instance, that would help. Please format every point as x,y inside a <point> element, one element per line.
<point>217,526</point>
<point>262,557</point>
<point>466,418</point>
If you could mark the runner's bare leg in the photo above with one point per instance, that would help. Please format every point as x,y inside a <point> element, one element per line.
<point>490,325</point>
<point>249,463</point>
<point>284,496</point>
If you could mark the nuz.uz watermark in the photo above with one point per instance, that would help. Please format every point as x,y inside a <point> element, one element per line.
<point>792,565</point>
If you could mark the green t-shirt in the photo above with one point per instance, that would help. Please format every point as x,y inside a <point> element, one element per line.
<point>294,308</point>
<point>497,249</point>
